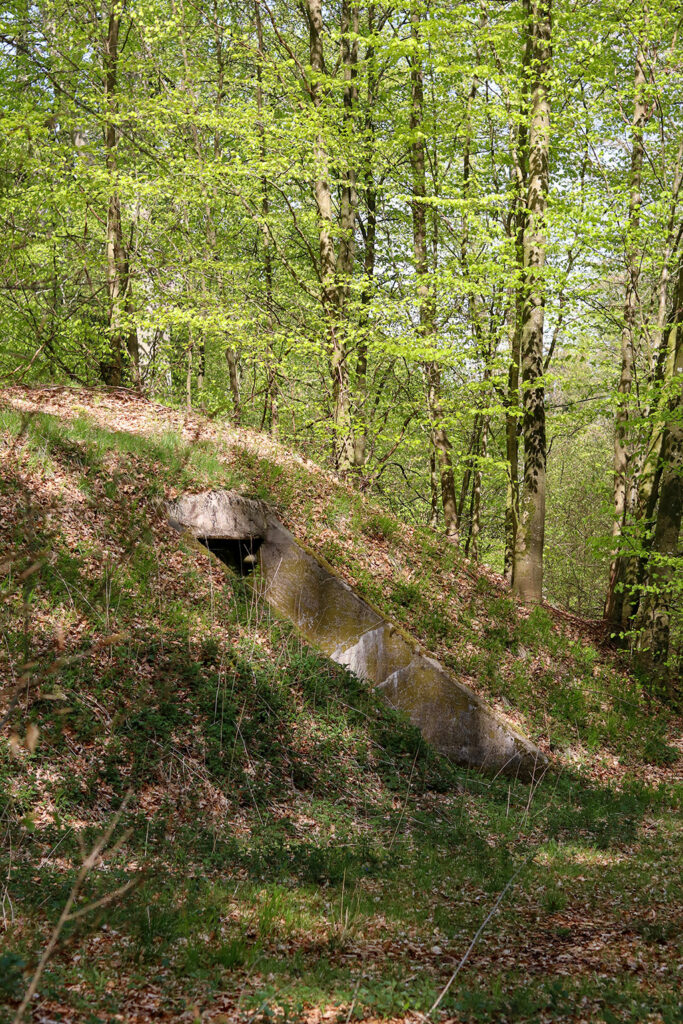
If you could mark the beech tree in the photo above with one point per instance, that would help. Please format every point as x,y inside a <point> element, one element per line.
<point>661,589</point>
<point>425,286</point>
<point>530,528</point>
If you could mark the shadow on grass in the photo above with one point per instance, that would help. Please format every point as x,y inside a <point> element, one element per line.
<point>269,782</point>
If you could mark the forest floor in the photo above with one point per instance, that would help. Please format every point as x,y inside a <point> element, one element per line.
<point>293,850</point>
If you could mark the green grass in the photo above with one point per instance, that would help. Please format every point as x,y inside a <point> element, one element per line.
<point>298,843</point>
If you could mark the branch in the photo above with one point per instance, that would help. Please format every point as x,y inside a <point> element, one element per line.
<point>66,914</point>
<point>478,932</point>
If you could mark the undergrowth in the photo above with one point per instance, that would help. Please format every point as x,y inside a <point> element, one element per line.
<point>294,842</point>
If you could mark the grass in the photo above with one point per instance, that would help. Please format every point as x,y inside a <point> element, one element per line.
<point>297,844</point>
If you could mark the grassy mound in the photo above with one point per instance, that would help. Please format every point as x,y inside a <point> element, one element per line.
<point>289,848</point>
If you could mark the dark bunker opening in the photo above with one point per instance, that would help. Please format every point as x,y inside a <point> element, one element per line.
<point>238,555</point>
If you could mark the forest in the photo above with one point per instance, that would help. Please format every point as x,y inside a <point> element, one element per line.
<point>435,246</point>
<point>412,274</point>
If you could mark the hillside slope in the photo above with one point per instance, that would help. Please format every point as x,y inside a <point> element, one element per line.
<point>296,849</point>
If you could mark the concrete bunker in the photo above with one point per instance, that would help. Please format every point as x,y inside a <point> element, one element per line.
<point>249,538</point>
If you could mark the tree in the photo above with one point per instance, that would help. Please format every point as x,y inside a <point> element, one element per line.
<point>425,287</point>
<point>528,563</point>
<point>660,590</point>
<point>628,341</point>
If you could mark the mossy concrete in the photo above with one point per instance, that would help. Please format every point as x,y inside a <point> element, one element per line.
<point>333,618</point>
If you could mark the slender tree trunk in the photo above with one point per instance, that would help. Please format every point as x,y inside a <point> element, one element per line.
<point>345,428</point>
<point>359,414</point>
<point>112,365</point>
<point>201,370</point>
<point>188,379</point>
<point>425,290</point>
<point>528,569</point>
<point>615,592</point>
<point>272,383</point>
<point>476,511</point>
<point>360,427</point>
<point>330,298</point>
<point>349,194</point>
<point>233,373</point>
<point>121,338</point>
<point>472,450</point>
<point>512,402</point>
<point>519,144</point>
<point>474,312</point>
<point>469,519</point>
<point>512,457</point>
<point>442,448</point>
<point>232,356</point>
<point>433,491</point>
<point>654,618</point>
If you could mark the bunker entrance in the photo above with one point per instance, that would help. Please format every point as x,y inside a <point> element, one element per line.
<point>238,555</point>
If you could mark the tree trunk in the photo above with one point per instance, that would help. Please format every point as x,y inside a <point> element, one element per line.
<point>519,142</point>
<point>201,370</point>
<point>112,365</point>
<point>476,510</point>
<point>648,473</point>
<point>528,565</point>
<point>188,380</point>
<point>470,519</point>
<point>233,372</point>
<point>344,426</point>
<point>349,195</point>
<point>512,459</point>
<point>359,414</point>
<point>425,291</point>
<point>433,492</point>
<point>473,448</point>
<point>615,594</point>
<point>654,619</point>
<point>339,369</point>
<point>272,384</point>
<point>117,266</point>
<point>512,398</point>
<point>442,448</point>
